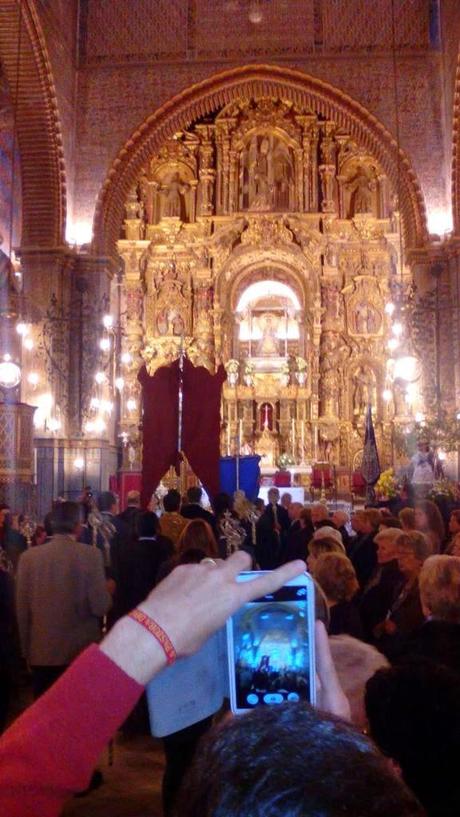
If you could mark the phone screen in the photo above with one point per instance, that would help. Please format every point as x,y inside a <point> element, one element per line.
<point>272,650</point>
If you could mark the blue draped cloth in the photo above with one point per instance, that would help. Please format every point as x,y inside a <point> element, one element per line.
<point>249,475</point>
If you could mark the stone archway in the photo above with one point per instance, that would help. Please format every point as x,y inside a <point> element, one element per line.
<point>37,122</point>
<point>244,83</point>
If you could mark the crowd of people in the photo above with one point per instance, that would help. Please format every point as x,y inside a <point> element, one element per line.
<point>388,651</point>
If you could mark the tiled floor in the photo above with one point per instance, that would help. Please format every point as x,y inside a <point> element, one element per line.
<point>132,785</point>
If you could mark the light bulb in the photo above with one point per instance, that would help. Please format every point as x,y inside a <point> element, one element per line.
<point>10,373</point>
<point>95,403</point>
<point>107,320</point>
<point>419,417</point>
<point>442,455</point>
<point>393,344</point>
<point>458,415</point>
<point>89,426</point>
<point>131,404</point>
<point>397,329</point>
<point>104,344</point>
<point>389,308</point>
<point>119,383</point>
<point>29,344</point>
<point>79,463</point>
<point>99,425</point>
<point>54,424</point>
<point>22,328</point>
<point>387,394</point>
<point>126,358</point>
<point>99,377</point>
<point>33,378</point>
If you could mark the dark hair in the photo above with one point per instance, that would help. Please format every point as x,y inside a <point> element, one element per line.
<point>456,514</point>
<point>171,501</point>
<point>221,503</point>
<point>65,517</point>
<point>106,500</point>
<point>148,524</point>
<point>291,761</point>
<point>414,716</point>
<point>194,494</point>
<point>48,524</point>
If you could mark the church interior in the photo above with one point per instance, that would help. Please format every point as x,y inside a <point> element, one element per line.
<point>267,186</point>
<point>283,202</point>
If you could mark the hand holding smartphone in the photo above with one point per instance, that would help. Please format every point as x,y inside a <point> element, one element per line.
<point>271,647</point>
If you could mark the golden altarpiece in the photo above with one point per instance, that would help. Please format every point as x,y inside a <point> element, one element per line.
<point>265,237</point>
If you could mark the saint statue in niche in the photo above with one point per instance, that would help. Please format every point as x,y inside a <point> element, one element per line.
<point>173,198</point>
<point>170,322</point>
<point>366,319</point>
<point>259,170</point>
<point>361,187</point>
<point>282,178</point>
<point>268,345</point>
<point>364,390</point>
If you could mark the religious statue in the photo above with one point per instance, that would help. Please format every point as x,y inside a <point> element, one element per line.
<point>268,345</point>
<point>170,322</point>
<point>425,467</point>
<point>147,189</point>
<point>282,179</point>
<point>364,390</point>
<point>173,202</point>
<point>331,301</point>
<point>361,187</point>
<point>366,319</point>
<point>259,175</point>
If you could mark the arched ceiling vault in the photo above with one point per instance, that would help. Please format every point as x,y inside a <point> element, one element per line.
<point>37,124</point>
<point>247,82</point>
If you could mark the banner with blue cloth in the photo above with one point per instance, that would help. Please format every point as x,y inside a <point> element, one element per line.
<point>249,475</point>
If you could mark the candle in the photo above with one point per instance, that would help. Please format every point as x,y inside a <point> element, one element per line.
<point>228,438</point>
<point>240,435</point>
<point>302,441</point>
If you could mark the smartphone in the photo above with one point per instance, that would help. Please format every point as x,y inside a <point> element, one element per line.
<point>271,647</point>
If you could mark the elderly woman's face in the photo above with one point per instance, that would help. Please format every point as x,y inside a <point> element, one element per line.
<point>421,519</point>
<point>408,563</point>
<point>386,550</point>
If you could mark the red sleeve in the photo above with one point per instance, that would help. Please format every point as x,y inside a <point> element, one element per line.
<point>49,753</point>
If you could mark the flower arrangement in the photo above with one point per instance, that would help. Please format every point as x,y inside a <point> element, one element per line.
<point>443,488</point>
<point>386,485</point>
<point>285,460</point>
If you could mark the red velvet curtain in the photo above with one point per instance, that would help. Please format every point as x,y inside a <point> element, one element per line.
<point>200,423</point>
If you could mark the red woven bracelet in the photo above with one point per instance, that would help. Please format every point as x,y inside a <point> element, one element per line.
<point>157,632</point>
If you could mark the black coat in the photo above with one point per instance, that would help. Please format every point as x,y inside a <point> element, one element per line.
<point>363,554</point>
<point>138,565</point>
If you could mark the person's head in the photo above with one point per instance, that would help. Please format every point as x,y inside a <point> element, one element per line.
<point>107,502</point>
<point>454,522</point>
<point>319,512</point>
<point>407,519</point>
<point>294,511</point>
<point>222,503</point>
<point>194,494</point>
<point>273,496</point>
<point>439,583</point>
<point>366,521</point>
<point>39,536</point>
<point>389,522</point>
<point>340,518</point>
<point>171,501</point>
<point>286,500</point>
<point>4,512</point>
<point>133,499</point>
<point>65,518</point>
<point>259,505</point>
<point>320,545</point>
<point>428,518</point>
<point>305,518</point>
<point>355,663</point>
<point>291,761</point>
<point>454,546</point>
<point>413,712</point>
<point>412,550</point>
<point>387,547</point>
<point>336,576</point>
<point>148,524</point>
<point>198,536</point>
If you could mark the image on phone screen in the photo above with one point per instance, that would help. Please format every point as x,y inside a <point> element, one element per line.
<point>272,649</point>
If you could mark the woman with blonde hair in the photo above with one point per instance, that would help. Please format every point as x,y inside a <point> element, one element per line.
<point>336,576</point>
<point>429,521</point>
